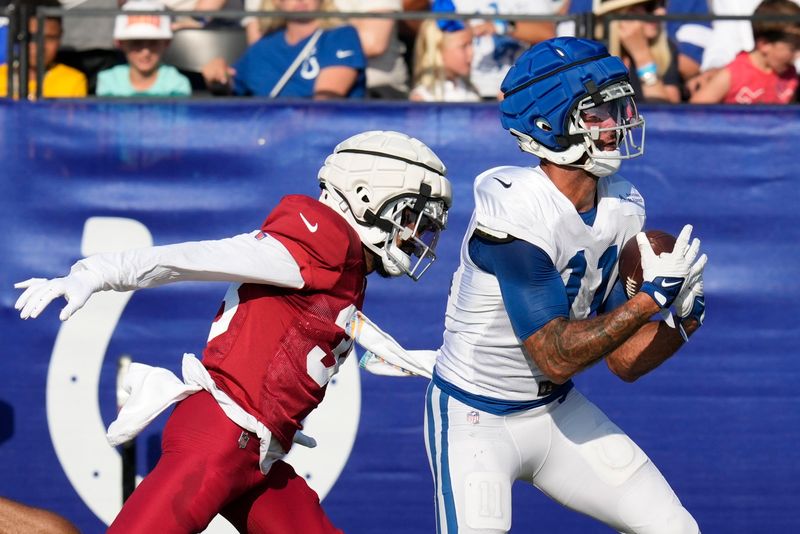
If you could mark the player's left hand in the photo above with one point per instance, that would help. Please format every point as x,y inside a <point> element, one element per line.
<point>691,302</point>
<point>304,440</point>
<point>76,288</point>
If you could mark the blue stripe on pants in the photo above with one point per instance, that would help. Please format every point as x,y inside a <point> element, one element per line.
<point>432,445</point>
<point>447,487</point>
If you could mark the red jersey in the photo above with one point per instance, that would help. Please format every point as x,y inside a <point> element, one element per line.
<point>274,349</point>
<point>751,85</point>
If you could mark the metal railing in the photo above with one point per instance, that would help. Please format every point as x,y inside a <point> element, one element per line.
<point>585,24</point>
<point>19,54</point>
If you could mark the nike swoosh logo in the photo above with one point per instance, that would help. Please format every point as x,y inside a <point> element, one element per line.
<point>506,185</point>
<point>311,227</point>
<point>341,54</point>
<point>671,284</point>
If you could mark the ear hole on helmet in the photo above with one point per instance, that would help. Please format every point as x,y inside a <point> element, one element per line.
<point>543,124</point>
<point>363,194</point>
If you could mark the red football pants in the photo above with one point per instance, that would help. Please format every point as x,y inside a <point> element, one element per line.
<point>203,471</point>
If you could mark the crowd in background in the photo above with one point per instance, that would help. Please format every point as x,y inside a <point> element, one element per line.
<point>143,53</point>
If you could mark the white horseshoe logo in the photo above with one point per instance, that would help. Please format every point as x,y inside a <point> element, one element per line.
<point>93,467</point>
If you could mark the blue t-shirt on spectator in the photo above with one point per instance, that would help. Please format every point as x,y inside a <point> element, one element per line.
<point>264,63</point>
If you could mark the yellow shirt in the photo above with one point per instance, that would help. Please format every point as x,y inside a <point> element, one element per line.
<point>60,81</point>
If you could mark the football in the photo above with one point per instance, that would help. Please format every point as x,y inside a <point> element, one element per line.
<point>630,261</point>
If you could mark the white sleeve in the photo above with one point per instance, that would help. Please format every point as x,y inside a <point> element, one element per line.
<point>242,258</point>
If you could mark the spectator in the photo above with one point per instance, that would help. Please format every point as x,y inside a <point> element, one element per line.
<point>729,36</point>
<point>88,43</point>
<point>691,38</point>
<point>645,49</point>
<point>387,72</point>
<point>498,43</point>
<point>766,74</point>
<point>442,63</point>
<point>143,38</point>
<point>407,29</point>
<point>298,57</point>
<point>59,80</point>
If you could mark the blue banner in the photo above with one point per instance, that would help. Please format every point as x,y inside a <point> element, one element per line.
<point>721,419</point>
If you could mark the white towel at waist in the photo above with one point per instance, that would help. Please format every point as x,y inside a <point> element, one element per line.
<point>154,389</point>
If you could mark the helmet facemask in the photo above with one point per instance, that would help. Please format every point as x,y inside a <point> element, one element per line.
<point>414,226</point>
<point>392,190</point>
<point>608,126</point>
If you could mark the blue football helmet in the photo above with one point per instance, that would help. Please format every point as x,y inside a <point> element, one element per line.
<point>565,98</point>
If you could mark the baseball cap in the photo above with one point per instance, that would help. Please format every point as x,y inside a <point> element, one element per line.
<point>134,26</point>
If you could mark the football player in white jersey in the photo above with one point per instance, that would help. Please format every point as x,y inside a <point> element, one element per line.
<point>534,302</point>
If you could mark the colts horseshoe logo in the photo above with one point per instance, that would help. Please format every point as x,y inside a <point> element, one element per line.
<point>93,467</point>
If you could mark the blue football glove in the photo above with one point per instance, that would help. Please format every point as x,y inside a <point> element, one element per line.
<point>666,274</point>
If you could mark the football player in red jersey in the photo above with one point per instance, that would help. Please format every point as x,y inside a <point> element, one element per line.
<point>276,341</point>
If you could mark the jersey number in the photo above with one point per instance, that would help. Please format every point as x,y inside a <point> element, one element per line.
<point>577,265</point>
<point>321,367</point>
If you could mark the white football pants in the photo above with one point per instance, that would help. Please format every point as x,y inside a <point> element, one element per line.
<point>569,450</point>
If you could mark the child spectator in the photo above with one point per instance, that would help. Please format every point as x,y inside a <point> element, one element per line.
<point>143,39</point>
<point>59,80</point>
<point>442,63</point>
<point>498,42</point>
<point>765,75</point>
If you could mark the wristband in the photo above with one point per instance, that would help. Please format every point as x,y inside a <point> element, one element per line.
<point>648,73</point>
<point>663,290</point>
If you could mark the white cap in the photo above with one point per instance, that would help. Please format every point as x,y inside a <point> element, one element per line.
<point>132,26</point>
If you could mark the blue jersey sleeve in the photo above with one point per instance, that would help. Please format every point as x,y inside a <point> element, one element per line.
<point>616,299</point>
<point>532,289</point>
<point>243,68</point>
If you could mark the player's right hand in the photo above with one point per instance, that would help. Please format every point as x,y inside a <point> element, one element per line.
<point>76,288</point>
<point>666,274</point>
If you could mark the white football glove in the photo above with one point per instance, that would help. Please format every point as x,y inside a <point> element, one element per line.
<point>304,440</point>
<point>76,288</point>
<point>666,274</point>
<point>691,303</point>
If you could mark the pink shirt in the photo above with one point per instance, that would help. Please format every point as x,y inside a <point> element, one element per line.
<point>751,85</point>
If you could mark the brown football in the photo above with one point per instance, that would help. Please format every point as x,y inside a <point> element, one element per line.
<point>630,261</point>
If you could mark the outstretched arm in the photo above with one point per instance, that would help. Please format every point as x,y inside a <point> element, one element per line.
<point>255,257</point>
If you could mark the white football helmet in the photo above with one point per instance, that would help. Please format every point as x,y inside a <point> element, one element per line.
<point>391,188</point>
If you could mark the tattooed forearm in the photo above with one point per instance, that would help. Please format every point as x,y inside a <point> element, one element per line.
<point>562,347</point>
<point>648,348</point>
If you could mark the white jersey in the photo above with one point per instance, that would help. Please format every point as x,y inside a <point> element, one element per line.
<point>481,354</point>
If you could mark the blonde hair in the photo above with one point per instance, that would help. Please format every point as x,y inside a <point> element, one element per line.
<point>659,48</point>
<point>271,24</point>
<point>429,71</point>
